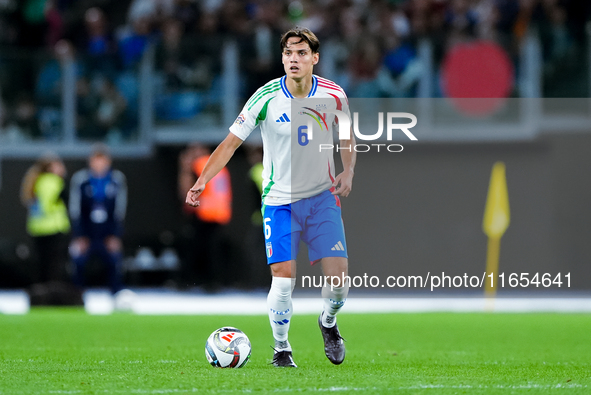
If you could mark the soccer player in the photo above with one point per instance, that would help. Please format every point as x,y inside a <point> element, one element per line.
<point>302,205</point>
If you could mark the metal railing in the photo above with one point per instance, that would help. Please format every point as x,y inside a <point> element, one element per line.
<point>210,125</point>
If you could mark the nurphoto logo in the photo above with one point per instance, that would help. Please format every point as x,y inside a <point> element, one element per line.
<point>305,132</point>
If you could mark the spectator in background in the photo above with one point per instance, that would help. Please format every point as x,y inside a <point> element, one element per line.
<point>110,112</point>
<point>133,44</point>
<point>428,20</point>
<point>42,193</point>
<point>206,44</point>
<point>49,81</point>
<point>173,57</point>
<point>34,23</point>
<point>154,10</point>
<point>365,65</point>
<point>403,69</point>
<point>98,202</point>
<point>23,123</point>
<point>235,21</point>
<point>524,18</point>
<point>556,36</point>
<point>267,62</point>
<point>49,89</point>
<point>99,45</point>
<point>86,106</point>
<point>187,12</point>
<point>101,110</point>
<point>203,263</point>
<point>461,19</point>
<point>55,23</point>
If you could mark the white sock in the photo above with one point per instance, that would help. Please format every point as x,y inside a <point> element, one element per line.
<point>280,310</point>
<point>334,299</point>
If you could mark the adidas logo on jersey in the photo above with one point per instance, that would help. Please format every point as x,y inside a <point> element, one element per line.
<point>283,118</point>
<point>338,247</point>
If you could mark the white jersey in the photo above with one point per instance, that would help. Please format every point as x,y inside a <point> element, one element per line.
<point>294,165</point>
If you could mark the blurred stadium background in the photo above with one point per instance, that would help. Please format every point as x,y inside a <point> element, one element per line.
<point>147,77</point>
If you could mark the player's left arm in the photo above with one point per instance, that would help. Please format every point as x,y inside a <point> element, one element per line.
<point>344,181</point>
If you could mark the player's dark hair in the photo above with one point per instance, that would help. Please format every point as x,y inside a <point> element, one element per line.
<point>304,34</point>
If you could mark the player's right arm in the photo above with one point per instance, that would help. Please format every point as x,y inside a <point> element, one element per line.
<point>217,161</point>
<point>253,112</point>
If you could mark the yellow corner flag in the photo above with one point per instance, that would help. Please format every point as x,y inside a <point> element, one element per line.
<point>496,222</point>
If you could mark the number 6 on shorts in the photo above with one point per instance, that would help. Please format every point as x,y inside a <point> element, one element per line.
<point>267,228</point>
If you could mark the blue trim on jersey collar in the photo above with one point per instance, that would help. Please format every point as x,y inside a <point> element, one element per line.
<point>314,86</point>
<point>284,88</point>
<point>288,94</point>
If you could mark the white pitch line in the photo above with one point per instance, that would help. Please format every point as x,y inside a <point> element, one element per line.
<point>249,304</point>
<point>97,302</point>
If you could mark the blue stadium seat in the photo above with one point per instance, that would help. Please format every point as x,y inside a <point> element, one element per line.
<point>176,106</point>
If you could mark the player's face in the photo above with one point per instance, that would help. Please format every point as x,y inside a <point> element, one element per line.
<point>298,59</point>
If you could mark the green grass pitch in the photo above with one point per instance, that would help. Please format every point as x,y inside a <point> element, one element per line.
<point>66,351</point>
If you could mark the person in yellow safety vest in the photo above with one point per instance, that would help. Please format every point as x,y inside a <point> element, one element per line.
<point>256,275</point>
<point>42,192</point>
<point>255,173</point>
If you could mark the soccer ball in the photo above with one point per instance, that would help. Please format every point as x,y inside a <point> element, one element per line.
<point>227,347</point>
